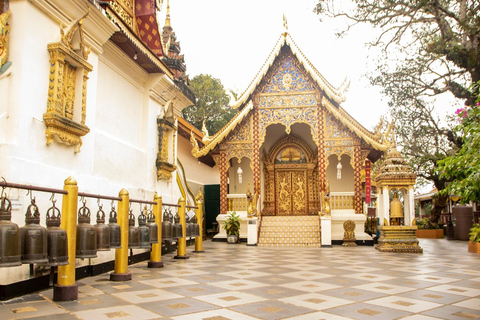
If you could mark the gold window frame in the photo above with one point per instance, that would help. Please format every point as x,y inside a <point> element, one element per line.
<point>64,120</point>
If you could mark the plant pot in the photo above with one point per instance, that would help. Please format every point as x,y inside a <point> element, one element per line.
<point>474,247</point>
<point>430,233</point>
<point>232,239</point>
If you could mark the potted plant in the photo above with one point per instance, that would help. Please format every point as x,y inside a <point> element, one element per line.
<point>232,227</point>
<point>427,229</point>
<point>474,239</point>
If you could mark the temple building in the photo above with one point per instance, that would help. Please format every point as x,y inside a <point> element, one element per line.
<point>293,144</point>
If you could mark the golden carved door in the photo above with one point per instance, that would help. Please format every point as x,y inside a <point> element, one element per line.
<point>291,192</point>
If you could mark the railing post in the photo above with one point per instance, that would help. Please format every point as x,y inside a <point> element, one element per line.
<point>66,289</point>
<point>121,255</point>
<point>199,215</point>
<point>156,254</point>
<point>182,242</point>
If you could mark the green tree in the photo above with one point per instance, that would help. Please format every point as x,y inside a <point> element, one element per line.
<point>462,168</point>
<point>211,106</point>
<point>429,48</point>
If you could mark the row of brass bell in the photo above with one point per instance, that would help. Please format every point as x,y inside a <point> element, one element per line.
<point>192,228</point>
<point>101,237</point>
<point>32,243</point>
<point>170,230</point>
<point>145,234</point>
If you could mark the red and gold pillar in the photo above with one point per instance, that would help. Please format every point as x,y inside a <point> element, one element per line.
<point>357,179</point>
<point>223,183</point>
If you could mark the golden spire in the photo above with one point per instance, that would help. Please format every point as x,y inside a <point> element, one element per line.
<point>167,18</point>
<point>285,26</point>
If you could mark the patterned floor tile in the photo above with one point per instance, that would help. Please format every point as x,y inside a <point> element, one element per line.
<point>29,309</point>
<point>219,314</point>
<point>404,304</point>
<point>274,292</point>
<point>453,313</point>
<point>144,296</point>
<point>271,310</point>
<point>176,307</point>
<point>367,311</point>
<point>238,284</point>
<point>168,282</point>
<point>310,286</point>
<point>129,312</point>
<point>316,301</point>
<point>453,289</point>
<point>320,315</point>
<point>93,302</point>
<point>433,296</point>
<point>470,304</point>
<point>230,298</point>
<point>386,288</point>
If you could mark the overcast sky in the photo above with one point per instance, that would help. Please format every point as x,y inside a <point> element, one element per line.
<point>230,40</point>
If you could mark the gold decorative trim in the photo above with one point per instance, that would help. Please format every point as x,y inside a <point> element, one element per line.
<point>354,126</point>
<point>68,58</point>
<point>221,134</point>
<point>4,32</point>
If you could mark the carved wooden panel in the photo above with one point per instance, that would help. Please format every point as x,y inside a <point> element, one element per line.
<point>291,192</point>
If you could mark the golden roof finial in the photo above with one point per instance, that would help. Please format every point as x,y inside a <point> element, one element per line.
<point>167,18</point>
<point>285,26</point>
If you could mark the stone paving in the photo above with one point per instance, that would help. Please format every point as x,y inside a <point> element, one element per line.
<point>247,282</point>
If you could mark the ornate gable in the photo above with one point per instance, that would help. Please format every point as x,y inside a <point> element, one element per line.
<point>286,75</point>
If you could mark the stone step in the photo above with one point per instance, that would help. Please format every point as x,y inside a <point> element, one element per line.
<point>290,231</point>
<point>298,245</point>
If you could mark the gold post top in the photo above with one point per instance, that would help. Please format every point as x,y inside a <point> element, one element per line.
<point>167,18</point>
<point>70,181</point>
<point>123,192</point>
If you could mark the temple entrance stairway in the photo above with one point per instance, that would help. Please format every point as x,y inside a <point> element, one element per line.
<point>290,231</point>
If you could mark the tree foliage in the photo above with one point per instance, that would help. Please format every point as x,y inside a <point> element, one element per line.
<point>462,168</point>
<point>211,106</point>
<point>429,48</point>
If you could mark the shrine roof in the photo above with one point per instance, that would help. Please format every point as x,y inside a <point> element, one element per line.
<point>330,100</point>
<point>335,94</point>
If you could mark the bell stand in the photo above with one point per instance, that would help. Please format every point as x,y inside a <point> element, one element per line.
<point>4,184</point>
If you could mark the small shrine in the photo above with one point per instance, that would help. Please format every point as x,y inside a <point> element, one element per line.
<point>396,179</point>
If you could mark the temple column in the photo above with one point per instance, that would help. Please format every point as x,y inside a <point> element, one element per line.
<point>256,151</point>
<point>321,149</point>
<point>409,205</point>
<point>223,183</point>
<point>357,178</point>
<point>385,207</point>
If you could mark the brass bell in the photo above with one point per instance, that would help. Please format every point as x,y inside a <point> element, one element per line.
<point>196,227</point>
<point>143,231</point>
<point>115,231</point>
<point>177,228</point>
<point>86,235</point>
<point>166,227</point>
<point>10,243</point>
<point>396,210</point>
<point>103,232</point>
<point>133,235</point>
<point>57,241</point>
<point>33,237</point>
<point>152,225</point>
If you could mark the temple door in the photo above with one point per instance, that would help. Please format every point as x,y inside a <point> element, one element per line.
<point>291,192</point>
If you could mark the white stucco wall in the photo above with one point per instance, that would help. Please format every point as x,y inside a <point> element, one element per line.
<point>121,148</point>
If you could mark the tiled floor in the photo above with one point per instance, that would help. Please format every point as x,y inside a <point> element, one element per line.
<point>240,282</point>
